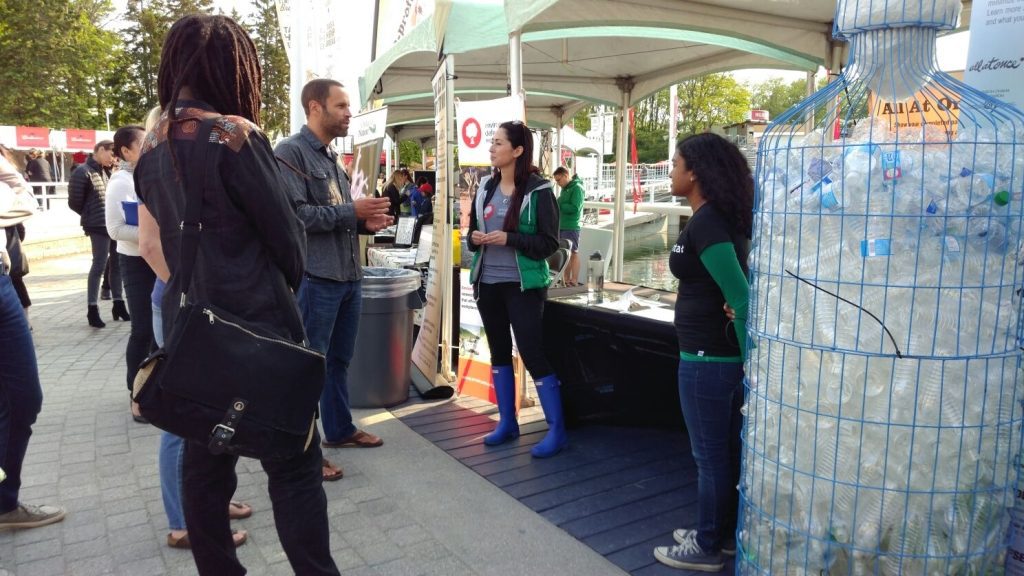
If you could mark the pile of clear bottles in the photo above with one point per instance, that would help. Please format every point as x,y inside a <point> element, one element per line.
<point>883,405</point>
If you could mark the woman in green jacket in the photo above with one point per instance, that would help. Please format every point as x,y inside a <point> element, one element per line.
<point>570,208</point>
<point>513,228</point>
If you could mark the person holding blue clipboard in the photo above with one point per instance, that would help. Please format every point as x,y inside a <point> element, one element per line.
<point>122,217</point>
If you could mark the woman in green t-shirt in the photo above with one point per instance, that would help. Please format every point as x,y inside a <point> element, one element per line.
<point>710,260</point>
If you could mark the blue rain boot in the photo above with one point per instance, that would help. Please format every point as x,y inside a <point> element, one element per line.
<point>505,391</point>
<point>548,389</point>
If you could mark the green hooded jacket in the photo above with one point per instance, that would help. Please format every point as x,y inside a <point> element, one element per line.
<point>570,205</point>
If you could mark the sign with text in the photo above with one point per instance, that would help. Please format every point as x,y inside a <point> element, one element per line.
<point>84,140</point>
<point>477,123</point>
<point>995,54</point>
<point>369,126</point>
<point>32,137</point>
<point>426,371</point>
<point>931,106</point>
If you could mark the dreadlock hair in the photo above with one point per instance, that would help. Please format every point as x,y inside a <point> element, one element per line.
<point>724,176</point>
<point>216,60</point>
<point>518,134</point>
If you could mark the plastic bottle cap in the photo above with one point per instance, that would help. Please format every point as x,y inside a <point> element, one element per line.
<point>1001,198</point>
<point>595,256</point>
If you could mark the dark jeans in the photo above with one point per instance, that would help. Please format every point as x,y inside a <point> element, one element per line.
<point>330,311</point>
<point>21,396</point>
<point>296,494</point>
<point>711,395</point>
<point>101,252</point>
<point>138,285</point>
<point>503,306</point>
<point>21,290</point>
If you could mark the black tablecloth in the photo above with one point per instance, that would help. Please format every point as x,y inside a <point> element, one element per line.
<point>614,367</point>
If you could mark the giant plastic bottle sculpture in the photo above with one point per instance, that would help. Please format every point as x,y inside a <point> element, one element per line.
<point>883,404</point>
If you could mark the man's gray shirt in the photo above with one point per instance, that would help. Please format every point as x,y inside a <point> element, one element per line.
<point>319,188</point>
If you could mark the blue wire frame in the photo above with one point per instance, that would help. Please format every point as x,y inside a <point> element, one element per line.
<point>883,408</point>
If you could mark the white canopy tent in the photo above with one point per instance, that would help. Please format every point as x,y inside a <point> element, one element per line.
<point>564,53</point>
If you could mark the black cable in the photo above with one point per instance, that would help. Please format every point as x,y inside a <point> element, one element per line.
<point>865,310</point>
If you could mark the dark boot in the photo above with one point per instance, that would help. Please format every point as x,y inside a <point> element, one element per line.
<point>548,389</point>
<point>505,390</point>
<point>94,317</point>
<point>120,312</point>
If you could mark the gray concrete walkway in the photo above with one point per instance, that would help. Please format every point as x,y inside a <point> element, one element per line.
<point>406,508</point>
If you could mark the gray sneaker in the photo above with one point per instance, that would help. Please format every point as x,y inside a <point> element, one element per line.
<point>728,543</point>
<point>688,555</point>
<point>29,516</point>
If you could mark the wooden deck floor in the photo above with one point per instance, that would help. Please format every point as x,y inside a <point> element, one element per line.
<point>620,491</point>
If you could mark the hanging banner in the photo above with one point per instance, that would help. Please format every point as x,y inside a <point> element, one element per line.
<point>32,137</point>
<point>995,54</point>
<point>427,375</point>
<point>477,123</point>
<point>84,140</point>
<point>395,18</point>
<point>369,126</point>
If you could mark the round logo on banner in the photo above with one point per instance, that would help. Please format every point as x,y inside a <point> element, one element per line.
<point>488,212</point>
<point>471,132</point>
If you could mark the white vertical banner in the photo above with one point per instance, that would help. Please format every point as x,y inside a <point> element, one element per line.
<point>436,328</point>
<point>477,123</point>
<point>995,54</point>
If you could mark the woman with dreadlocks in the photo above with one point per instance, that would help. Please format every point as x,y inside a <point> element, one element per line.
<point>249,262</point>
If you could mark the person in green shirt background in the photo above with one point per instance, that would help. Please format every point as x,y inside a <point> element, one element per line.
<point>570,208</point>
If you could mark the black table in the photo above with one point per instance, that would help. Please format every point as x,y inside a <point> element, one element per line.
<point>614,367</point>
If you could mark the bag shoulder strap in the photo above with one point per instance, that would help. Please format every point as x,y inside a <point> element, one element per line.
<point>193,185</point>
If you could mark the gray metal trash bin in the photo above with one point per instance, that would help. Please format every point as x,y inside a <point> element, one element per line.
<point>378,375</point>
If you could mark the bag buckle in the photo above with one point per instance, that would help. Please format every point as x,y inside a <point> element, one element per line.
<point>220,438</point>
<point>221,435</point>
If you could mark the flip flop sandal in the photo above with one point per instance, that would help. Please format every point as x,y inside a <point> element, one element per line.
<point>239,510</point>
<point>331,472</point>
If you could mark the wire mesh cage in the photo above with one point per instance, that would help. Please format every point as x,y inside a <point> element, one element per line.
<point>883,403</point>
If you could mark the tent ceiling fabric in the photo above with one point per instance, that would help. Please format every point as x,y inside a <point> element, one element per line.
<point>578,51</point>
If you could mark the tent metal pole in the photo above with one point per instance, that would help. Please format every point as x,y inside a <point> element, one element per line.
<point>618,244</point>
<point>515,63</point>
<point>559,120</point>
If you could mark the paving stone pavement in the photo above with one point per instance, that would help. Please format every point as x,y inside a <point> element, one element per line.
<point>403,509</point>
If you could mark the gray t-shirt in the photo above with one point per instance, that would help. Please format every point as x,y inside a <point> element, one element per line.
<point>499,262</point>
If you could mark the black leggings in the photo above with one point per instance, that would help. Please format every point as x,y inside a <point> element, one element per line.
<point>505,305</point>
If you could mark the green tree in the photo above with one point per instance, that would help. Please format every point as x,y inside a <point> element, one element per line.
<point>776,96</point>
<point>148,22</point>
<point>54,58</point>
<point>581,120</point>
<point>265,30</point>
<point>710,101</point>
<point>409,153</point>
<point>706,102</point>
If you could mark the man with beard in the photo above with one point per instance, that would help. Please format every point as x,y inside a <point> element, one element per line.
<point>330,297</point>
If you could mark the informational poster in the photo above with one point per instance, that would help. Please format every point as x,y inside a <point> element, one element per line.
<point>995,54</point>
<point>435,331</point>
<point>927,106</point>
<point>474,357</point>
<point>367,131</point>
<point>477,123</point>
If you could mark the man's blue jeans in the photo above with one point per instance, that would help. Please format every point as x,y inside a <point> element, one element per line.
<point>711,395</point>
<point>21,396</point>
<point>330,311</point>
